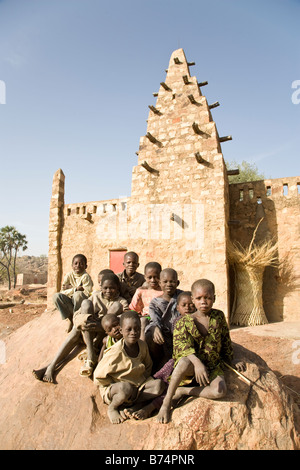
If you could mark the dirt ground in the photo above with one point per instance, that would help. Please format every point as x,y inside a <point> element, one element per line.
<point>277,343</point>
<point>23,305</point>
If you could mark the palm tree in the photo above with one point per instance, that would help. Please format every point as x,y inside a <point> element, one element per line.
<point>11,241</point>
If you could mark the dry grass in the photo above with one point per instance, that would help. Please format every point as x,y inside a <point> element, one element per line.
<point>249,264</point>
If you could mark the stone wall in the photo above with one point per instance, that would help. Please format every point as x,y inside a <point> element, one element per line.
<point>178,210</point>
<point>182,211</point>
<point>278,202</point>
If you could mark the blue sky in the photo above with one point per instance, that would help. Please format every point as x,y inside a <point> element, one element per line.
<point>77,76</point>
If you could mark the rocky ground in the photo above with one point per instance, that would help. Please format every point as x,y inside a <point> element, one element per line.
<point>278,344</point>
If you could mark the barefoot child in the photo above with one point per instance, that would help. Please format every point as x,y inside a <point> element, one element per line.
<point>143,295</point>
<point>201,345</point>
<point>77,286</point>
<point>123,374</point>
<point>88,318</point>
<point>87,325</point>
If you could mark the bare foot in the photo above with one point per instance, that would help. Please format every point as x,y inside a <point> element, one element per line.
<point>114,415</point>
<point>39,374</point>
<point>145,412</point>
<point>164,415</point>
<point>45,375</point>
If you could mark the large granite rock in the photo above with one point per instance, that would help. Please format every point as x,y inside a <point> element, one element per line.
<point>70,414</point>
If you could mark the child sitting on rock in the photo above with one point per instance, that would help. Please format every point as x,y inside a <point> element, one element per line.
<point>163,313</point>
<point>88,318</point>
<point>77,286</point>
<point>143,295</point>
<point>202,345</point>
<point>124,373</point>
<point>130,279</point>
<point>87,325</point>
<point>111,325</point>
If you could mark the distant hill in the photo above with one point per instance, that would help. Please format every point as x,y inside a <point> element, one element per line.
<point>32,264</point>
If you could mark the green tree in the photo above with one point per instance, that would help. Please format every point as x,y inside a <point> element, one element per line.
<point>247,172</point>
<point>11,241</point>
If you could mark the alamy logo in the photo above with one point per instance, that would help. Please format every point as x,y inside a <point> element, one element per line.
<point>296,94</point>
<point>2,92</point>
<point>156,222</point>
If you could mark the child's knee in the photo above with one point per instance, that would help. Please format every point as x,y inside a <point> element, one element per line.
<point>219,389</point>
<point>127,390</point>
<point>78,296</point>
<point>184,366</point>
<point>159,386</point>
<point>87,307</point>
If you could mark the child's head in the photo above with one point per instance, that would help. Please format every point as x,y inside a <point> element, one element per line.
<point>111,325</point>
<point>152,272</point>
<point>79,264</point>
<point>131,262</point>
<point>185,304</point>
<point>169,281</point>
<point>110,286</point>
<point>130,327</point>
<point>203,295</point>
<point>101,274</point>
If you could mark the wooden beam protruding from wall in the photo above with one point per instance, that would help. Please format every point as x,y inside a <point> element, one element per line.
<point>185,78</point>
<point>198,131</point>
<point>214,105</point>
<point>225,138</point>
<point>192,99</point>
<point>177,61</point>
<point>233,172</point>
<point>149,168</point>
<point>155,110</point>
<point>199,158</point>
<point>153,139</point>
<point>165,86</point>
<point>200,84</point>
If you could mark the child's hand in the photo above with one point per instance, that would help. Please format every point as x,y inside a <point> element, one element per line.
<point>157,336</point>
<point>240,366</point>
<point>201,374</point>
<point>66,286</point>
<point>91,325</point>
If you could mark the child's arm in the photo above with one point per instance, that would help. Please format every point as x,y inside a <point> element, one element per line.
<point>104,343</point>
<point>67,287</point>
<point>137,302</point>
<point>226,352</point>
<point>86,284</point>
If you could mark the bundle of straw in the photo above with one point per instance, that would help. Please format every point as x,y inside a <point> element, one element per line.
<point>249,264</point>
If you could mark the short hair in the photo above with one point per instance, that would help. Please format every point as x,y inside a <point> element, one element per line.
<point>203,283</point>
<point>111,277</point>
<point>80,256</point>
<point>186,293</point>
<point>128,314</point>
<point>152,265</point>
<point>105,271</point>
<point>170,271</point>
<point>132,253</point>
<point>109,318</point>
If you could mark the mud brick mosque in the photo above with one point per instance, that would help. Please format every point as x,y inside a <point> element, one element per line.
<point>182,211</point>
